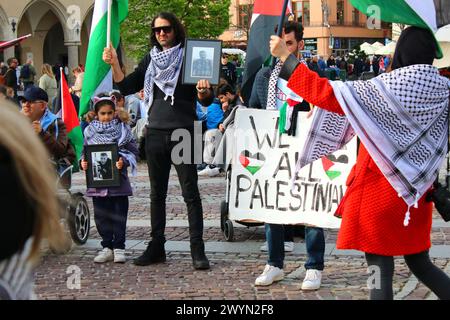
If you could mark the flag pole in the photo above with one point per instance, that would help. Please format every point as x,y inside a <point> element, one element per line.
<point>61,74</point>
<point>108,26</point>
<point>280,27</point>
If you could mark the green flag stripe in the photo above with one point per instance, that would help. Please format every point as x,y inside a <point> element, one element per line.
<point>76,138</point>
<point>395,11</point>
<point>96,69</point>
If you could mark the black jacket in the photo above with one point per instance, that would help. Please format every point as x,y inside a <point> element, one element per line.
<point>162,115</point>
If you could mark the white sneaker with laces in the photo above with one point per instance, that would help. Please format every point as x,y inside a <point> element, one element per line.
<point>264,247</point>
<point>119,256</point>
<point>288,246</point>
<point>104,256</point>
<point>313,279</point>
<point>269,276</point>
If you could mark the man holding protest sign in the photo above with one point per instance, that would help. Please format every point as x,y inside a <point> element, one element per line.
<point>265,94</point>
<point>171,107</point>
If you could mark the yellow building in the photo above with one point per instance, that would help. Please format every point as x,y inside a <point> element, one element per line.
<point>59,28</point>
<point>330,26</point>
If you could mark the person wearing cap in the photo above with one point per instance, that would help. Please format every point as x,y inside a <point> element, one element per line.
<point>47,125</point>
<point>228,71</point>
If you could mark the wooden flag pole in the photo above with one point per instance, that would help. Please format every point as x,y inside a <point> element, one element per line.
<point>280,27</point>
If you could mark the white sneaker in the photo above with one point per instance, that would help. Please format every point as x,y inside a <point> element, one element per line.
<point>119,256</point>
<point>264,247</point>
<point>204,172</point>
<point>269,276</point>
<point>288,246</point>
<point>313,279</point>
<point>213,171</point>
<point>104,256</point>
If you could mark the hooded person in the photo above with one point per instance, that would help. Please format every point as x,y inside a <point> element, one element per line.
<point>401,119</point>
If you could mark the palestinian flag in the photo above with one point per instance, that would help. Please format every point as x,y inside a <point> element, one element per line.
<point>266,15</point>
<point>252,162</point>
<point>70,119</point>
<point>98,74</point>
<point>427,14</point>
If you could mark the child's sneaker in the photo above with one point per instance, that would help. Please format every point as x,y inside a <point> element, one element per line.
<point>119,256</point>
<point>104,256</point>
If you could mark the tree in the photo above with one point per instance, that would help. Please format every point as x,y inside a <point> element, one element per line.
<point>202,18</point>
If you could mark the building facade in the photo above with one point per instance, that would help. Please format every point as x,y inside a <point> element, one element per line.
<point>59,28</point>
<point>330,26</point>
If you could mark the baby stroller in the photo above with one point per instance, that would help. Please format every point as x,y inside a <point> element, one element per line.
<point>224,157</point>
<point>74,208</point>
<point>225,223</point>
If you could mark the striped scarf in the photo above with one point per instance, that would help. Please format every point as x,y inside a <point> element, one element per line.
<point>114,131</point>
<point>401,118</point>
<point>163,70</point>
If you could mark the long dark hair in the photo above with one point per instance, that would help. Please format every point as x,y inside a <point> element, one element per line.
<point>178,28</point>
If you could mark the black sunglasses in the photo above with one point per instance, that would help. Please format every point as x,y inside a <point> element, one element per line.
<point>166,29</point>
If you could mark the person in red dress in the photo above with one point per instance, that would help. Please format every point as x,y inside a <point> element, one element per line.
<point>373,210</point>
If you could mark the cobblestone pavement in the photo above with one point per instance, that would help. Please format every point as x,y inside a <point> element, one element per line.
<point>234,266</point>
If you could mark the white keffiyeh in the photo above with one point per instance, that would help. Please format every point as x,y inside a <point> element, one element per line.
<point>163,70</point>
<point>401,118</point>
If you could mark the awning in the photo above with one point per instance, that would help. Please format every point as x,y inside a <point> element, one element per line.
<point>443,36</point>
<point>10,43</point>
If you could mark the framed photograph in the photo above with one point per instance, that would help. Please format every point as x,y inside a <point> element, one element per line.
<point>202,61</point>
<point>102,171</point>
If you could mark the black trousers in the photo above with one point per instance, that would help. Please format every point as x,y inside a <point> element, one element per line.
<point>159,147</point>
<point>110,214</point>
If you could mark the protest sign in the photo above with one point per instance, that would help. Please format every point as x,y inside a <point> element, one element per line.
<point>262,185</point>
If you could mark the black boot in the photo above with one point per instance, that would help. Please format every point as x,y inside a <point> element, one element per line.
<point>199,259</point>
<point>155,253</point>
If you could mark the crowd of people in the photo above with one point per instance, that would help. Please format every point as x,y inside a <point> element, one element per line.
<point>148,105</point>
<point>336,65</point>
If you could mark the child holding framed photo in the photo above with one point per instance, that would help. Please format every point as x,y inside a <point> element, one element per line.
<point>109,147</point>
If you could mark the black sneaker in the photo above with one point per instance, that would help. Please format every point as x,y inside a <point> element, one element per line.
<point>155,253</point>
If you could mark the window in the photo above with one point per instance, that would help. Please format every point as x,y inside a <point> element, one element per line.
<point>355,17</point>
<point>245,14</point>
<point>340,12</point>
<point>301,12</point>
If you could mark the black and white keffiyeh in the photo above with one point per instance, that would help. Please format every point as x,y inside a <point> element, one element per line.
<point>272,90</point>
<point>401,118</point>
<point>16,275</point>
<point>114,131</point>
<point>163,70</point>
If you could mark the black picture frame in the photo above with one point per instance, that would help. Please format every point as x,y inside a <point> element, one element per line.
<point>193,67</point>
<point>98,174</point>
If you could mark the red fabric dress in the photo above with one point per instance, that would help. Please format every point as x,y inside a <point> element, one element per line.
<point>372,213</point>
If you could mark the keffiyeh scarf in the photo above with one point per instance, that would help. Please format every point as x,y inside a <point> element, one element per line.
<point>163,70</point>
<point>114,131</point>
<point>401,118</point>
<point>288,96</point>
